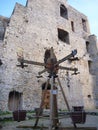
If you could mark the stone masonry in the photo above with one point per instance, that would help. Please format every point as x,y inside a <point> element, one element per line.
<point>31,30</point>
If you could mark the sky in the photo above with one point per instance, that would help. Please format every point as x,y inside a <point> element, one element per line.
<point>87,7</point>
<point>90,9</point>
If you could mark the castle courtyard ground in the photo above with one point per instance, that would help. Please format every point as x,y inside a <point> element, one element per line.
<point>65,124</point>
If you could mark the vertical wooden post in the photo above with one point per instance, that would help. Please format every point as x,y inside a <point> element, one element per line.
<point>53,105</point>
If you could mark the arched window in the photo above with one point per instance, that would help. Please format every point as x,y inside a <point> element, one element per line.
<point>15,101</point>
<point>63,11</point>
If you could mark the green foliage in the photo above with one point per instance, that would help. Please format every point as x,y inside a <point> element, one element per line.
<point>30,111</point>
<point>5,112</point>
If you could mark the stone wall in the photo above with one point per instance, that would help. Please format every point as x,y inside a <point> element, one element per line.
<point>33,29</point>
<point>3,23</point>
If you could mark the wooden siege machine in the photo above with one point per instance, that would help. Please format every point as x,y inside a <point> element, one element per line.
<point>52,66</point>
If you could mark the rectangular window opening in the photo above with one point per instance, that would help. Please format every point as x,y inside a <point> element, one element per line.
<point>72,26</point>
<point>84,25</point>
<point>90,67</point>
<point>87,46</point>
<point>2,32</point>
<point>63,36</point>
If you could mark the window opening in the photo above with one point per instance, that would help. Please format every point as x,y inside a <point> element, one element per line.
<point>3,25</point>
<point>84,25</point>
<point>89,65</point>
<point>15,101</point>
<point>72,26</point>
<point>87,46</point>
<point>63,11</point>
<point>2,31</point>
<point>63,35</point>
<point>1,62</point>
